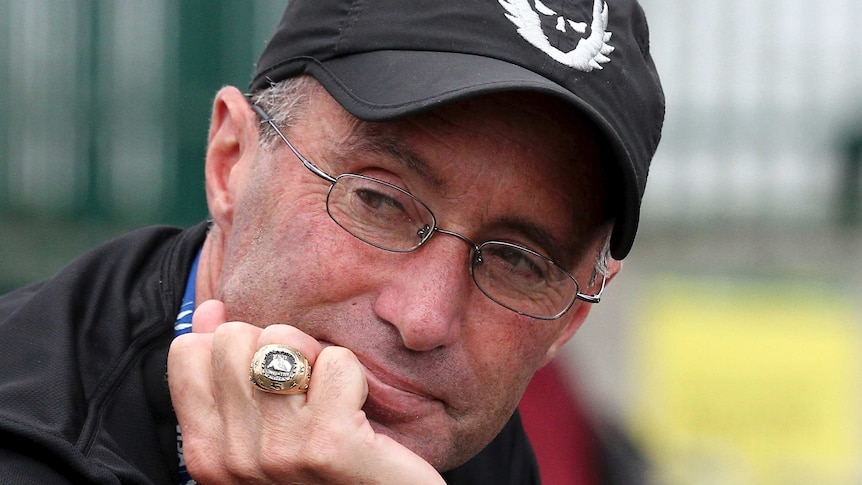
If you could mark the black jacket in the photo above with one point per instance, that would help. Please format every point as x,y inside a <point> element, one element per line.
<point>83,393</point>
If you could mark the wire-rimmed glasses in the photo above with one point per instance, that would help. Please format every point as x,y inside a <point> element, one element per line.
<point>390,218</point>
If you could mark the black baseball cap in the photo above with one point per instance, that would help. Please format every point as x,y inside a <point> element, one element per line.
<point>385,59</point>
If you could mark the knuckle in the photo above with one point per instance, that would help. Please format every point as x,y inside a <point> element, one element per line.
<point>323,447</point>
<point>233,329</point>
<point>239,463</point>
<point>336,367</point>
<point>200,461</point>
<point>336,358</point>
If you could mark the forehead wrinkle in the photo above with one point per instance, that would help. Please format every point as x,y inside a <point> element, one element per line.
<point>370,138</point>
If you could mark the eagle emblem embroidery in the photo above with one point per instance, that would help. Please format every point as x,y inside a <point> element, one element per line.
<point>589,53</point>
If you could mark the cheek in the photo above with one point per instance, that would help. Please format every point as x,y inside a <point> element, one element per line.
<point>309,265</point>
<point>510,350</point>
<point>502,356</point>
<point>283,256</point>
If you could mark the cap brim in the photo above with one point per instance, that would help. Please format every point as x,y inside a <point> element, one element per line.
<point>388,84</point>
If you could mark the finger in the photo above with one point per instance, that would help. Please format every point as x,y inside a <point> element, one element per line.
<point>235,416</point>
<point>192,397</point>
<point>341,440</point>
<point>339,386</point>
<point>189,373</point>
<point>234,343</point>
<point>397,462</point>
<point>208,316</point>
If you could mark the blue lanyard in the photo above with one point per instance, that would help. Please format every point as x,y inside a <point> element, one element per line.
<point>187,309</point>
<point>181,326</point>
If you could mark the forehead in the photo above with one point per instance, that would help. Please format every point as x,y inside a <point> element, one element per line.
<point>558,138</point>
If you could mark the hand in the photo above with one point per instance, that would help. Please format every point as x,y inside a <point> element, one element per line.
<point>234,433</point>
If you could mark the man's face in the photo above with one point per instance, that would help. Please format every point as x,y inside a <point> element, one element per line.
<point>446,366</point>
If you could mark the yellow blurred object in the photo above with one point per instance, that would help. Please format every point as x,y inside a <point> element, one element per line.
<point>748,382</point>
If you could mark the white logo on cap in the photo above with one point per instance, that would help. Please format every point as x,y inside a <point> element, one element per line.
<point>590,52</point>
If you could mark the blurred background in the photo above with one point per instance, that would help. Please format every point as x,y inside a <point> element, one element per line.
<point>728,348</point>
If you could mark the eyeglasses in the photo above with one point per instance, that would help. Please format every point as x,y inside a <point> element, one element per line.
<point>390,218</point>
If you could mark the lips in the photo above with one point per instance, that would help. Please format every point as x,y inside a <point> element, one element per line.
<point>393,400</point>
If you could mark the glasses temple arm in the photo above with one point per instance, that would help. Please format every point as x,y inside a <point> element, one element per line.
<point>594,298</point>
<point>266,118</point>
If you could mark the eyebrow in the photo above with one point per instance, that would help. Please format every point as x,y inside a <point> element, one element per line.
<point>565,254</point>
<point>367,138</point>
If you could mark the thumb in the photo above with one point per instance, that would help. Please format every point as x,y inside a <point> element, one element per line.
<point>399,462</point>
<point>208,315</point>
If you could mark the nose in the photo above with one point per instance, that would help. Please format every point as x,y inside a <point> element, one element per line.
<point>427,297</point>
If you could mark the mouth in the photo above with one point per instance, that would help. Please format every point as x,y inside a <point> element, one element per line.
<point>393,400</point>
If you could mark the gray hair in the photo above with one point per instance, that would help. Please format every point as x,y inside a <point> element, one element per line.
<point>602,260</point>
<point>283,101</point>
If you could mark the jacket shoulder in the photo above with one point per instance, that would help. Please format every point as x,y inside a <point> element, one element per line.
<point>84,354</point>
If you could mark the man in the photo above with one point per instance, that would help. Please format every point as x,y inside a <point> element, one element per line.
<point>411,211</point>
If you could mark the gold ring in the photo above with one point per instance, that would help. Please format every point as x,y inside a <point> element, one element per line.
<point>280,369</point>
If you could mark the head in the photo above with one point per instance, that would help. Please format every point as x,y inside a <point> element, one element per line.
<point>531,165</point>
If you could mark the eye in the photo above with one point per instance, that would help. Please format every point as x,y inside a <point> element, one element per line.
<point>379,201</point>
<point>515,262</point>
<point>378,212</point>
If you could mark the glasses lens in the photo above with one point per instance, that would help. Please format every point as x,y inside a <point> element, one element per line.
<point>379,213</point>
<point>523,280</point>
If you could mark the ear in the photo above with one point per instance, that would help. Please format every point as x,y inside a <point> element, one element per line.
<point>579,316</point>
<point>231,149</point>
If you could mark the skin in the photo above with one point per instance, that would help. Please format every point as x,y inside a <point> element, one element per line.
<point>414,369</point>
